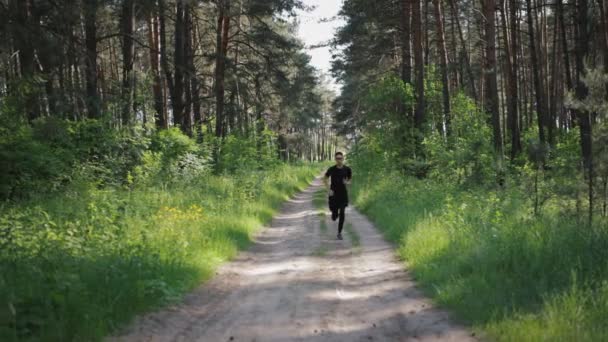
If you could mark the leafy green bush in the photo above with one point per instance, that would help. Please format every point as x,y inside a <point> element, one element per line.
<point>512,274</point>
<point>76,265</point>
<point>241,154</point>
<point>29,165</point>
<point>468,156</point>
<point>53,152</point>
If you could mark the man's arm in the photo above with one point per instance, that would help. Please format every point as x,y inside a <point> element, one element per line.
<point>349,177</point>
<point>326,183</point>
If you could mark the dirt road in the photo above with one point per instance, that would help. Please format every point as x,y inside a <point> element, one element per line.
<point>298,283</point>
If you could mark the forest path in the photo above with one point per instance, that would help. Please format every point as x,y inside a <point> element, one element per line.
<point>298,283</point>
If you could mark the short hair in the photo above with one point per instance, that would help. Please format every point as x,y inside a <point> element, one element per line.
<point>339,154</point>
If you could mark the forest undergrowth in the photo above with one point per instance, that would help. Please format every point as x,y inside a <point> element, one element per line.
<point>130,232</point>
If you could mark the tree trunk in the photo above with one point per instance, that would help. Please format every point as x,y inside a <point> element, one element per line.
<point>194,83</point>
<point>443,61</point>
<point>491,87</point>
<point>419,115</point>
<point>157,89</point>
<point>23,38</point>
<point>564,39</point>
<point>538,88</point>
<point>469,70</point>
<point>581,92</point>
<point>512,65</point>
<point>90,27</point>
<point>128,55</point>
<point>164,61</point>
<point>177,96</point>
<point>406,62</point>
<point>223,27</point>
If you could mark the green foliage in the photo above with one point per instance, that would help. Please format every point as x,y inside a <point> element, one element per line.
<point>385,120</point>
<point>484,254</point>
<point>467,156</point>
<point>243,154</point>
<point>29,165</point>
<point>54,152</point>
<point>100,224</point>
<point>76,265</point>
<point>464,157</point>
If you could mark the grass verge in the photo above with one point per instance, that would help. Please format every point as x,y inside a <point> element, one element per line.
<point>483,254</point>
<point>77,266</point>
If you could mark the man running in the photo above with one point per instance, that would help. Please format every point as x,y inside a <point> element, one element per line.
<point>341,176</point>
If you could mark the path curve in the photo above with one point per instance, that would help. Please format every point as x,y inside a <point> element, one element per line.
<point>298,283</point>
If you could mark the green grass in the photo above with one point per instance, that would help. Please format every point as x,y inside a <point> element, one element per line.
<point>76,266</point>
<point>484,255</point>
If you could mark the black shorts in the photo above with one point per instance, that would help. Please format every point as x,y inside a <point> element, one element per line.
<point>336,202</point>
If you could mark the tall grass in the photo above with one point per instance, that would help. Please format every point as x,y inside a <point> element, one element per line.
<point>482,253</point>
<point>76,266</point>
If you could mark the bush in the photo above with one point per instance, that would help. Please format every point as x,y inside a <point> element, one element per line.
<point>468,156</point>
<point>29,165</point>
<point>76,265</point>
<point>484,254</point>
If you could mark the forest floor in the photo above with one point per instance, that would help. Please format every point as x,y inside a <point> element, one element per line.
<point>298,283</point>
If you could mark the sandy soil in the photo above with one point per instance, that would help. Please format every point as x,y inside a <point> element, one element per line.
<point>298,283</point>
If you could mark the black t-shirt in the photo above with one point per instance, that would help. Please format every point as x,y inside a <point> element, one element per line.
<point>337,176</point>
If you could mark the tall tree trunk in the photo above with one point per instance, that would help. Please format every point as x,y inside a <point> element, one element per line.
<point>23,43</point>
<point>491,84</point>
<point>406,51</point>
<point>419,115</point>
<point>128,55</point>
<point>512,66</point>
<point>538,88</point>
<point>469,70</point>
<point>564,40</point>
<point>443,61</point>
<point>157,89</point>
<point>164,61</point>
<point>223,27</point>
<point>581,92</point>
<point>178,94</point>
<point>90,27</point>
<point>194,83</point>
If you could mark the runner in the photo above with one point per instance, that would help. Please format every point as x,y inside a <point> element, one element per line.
<point>341,176</point>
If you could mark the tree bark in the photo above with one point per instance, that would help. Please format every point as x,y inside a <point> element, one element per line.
<point>194,83</point>
<point>128,55</point>
<point>443,62</point>
<point>90,26</point>
<point>491,84</point>
<point>223,27</point>
<point>581,92</point>
<point>406,51</point>
<point>157,89</point>
<point>538,88</point>
<point>419,115</point>
<point>178,94</point>
<point>164,61</point>
<point>469,70</point>
<point>512,66</point>
<point>564,39</point>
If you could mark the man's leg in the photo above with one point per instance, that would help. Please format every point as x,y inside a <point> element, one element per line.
<point>341,221</point>
<point>332,207</point>
<point>334,214</point>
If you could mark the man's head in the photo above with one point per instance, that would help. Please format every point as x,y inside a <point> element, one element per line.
<point>339,158</point>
